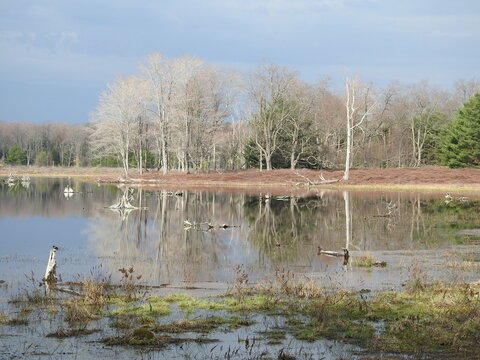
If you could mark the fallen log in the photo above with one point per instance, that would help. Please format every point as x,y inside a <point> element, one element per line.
<point>345,254</point>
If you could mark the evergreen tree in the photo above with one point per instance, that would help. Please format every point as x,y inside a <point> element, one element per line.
<point>461,141</point>
<point>16,156</point>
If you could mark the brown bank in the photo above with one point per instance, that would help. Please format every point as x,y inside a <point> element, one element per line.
<point>427,178</point>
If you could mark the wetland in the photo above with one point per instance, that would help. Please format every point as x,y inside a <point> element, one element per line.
<point>237,273</point>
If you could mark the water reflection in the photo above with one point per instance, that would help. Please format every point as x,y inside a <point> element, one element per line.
<point>267,231</point>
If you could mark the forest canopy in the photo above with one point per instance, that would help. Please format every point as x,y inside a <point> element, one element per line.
<point>186,114</point>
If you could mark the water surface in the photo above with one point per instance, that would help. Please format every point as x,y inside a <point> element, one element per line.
<point>265,232</point>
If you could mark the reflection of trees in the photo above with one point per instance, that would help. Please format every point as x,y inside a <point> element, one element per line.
<point>156,243</point>
<point>45,198</point>
<point>280,229</point>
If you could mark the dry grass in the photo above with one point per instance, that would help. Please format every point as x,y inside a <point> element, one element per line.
<point>422,179</point>
<point>286,283</point>
<point>78,314</point>
<point>96,292</point>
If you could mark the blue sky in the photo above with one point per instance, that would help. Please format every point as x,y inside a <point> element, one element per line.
<point>57,55</point>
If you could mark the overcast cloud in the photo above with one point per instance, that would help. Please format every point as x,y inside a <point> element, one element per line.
<point>56,56</point>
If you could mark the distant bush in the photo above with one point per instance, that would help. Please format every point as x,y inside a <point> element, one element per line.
<point>41,159</point>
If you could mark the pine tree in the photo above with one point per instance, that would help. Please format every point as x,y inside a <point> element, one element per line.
<point>16,156</point>
<point>461,141</point>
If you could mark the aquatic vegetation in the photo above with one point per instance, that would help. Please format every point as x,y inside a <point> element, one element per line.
<point>394,321</point>
<point>121,324</point>
<point>147,339</point>
<point>66,333</point>
<point>19,321</point>
<point>198,325</point>
<point>153,307</point>
<point>273,336</point>
<point>95,292</point>
<point>78,313</point>
<point>254,303</point>
<point>129,285</point>
<point>363,261</point>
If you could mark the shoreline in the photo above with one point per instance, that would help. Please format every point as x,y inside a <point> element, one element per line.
<point>428,179</point>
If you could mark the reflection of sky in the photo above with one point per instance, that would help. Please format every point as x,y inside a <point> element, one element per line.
<point>25,244</point>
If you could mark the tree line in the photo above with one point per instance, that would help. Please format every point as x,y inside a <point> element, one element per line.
<point>188,115</point>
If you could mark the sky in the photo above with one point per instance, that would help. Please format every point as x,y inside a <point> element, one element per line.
<point>56,56</point>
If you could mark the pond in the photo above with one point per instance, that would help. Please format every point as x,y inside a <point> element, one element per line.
<point>196,239</point>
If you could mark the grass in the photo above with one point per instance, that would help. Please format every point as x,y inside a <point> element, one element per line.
<point>254,303</point>
<point>78,313</point>
<point>273,337</point>
<point>20,321</point>
<point>150,308</point>
<point>363,261</point>
<point>62,333</point>
<point>390,322</point>
<point>145,338</point>
<point>199,325</point>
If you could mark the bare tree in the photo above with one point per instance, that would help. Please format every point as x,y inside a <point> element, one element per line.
<point>359,105</point>
<point>115,119</point>
<point>162,82</point>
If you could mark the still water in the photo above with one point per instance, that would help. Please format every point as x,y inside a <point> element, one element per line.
<point>266,231</point>
<point>194,239</point>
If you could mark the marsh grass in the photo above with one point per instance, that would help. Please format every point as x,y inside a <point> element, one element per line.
<point>366,261</point>
<point>129,285</point>
<point>273,336</point>
<point>18,321</point>
<point>286,283</point>
<point>239,287</point>
<point>145,338</point>
<point>79,314</point>
<point>152,307</point>
<point>67,333</point>
<point>395,321</point>
<point>198,325</point>
<point>96,292</point>
<point>31,294</point>
<point>417,277</point>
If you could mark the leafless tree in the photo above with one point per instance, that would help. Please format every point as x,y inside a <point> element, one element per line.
<point>359,105</point>
<point>116,118</point>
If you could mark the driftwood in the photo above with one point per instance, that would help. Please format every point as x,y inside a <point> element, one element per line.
<point>345,254</point>
<point>137,180</point>
<point>204,226</point>
<point>322,181</point>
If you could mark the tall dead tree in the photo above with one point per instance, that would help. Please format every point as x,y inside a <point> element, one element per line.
<point>359,104</point>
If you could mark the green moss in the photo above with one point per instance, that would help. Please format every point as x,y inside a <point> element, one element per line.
<point>172,298</point>
<point>115,300</point>
<point>195,304</point>
<point>149,309</point>
<point>254,304</point>
<point>142,336</point>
